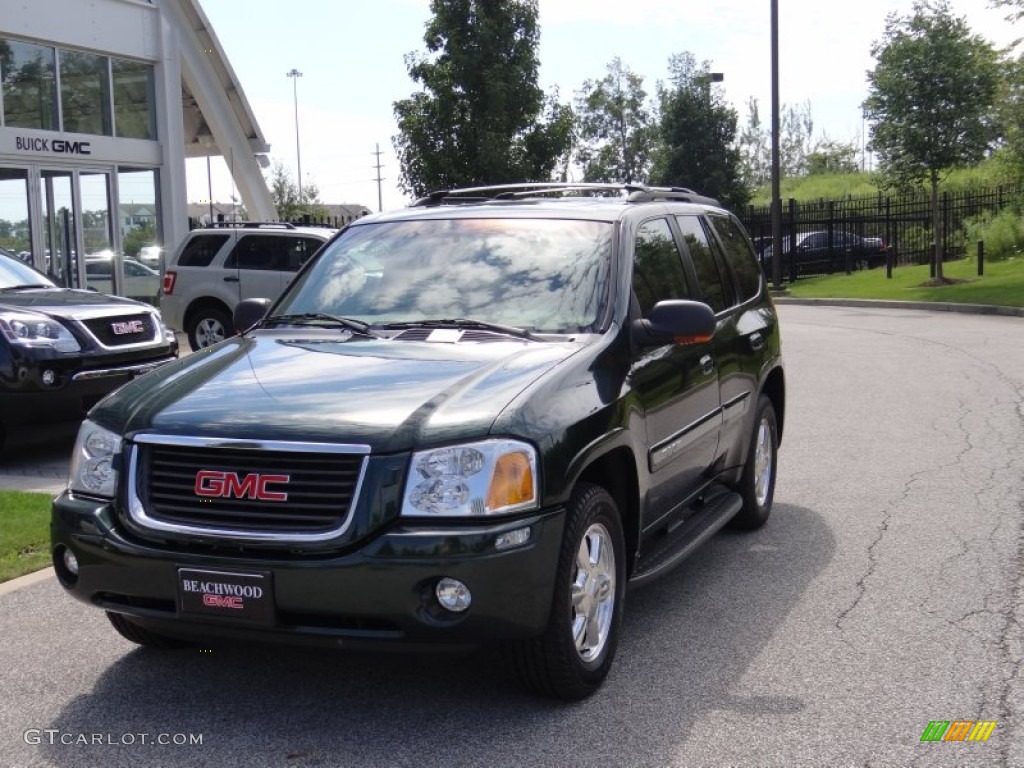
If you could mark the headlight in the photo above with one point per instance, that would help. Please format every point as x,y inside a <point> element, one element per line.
<point>33,330</point>
<point>92,463</point>
<point>492,477</point>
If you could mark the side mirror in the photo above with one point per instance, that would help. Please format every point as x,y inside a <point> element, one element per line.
<point>249,312</point>
<point>677,321</point>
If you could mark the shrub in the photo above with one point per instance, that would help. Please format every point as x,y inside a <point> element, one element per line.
<point>1002,233</point>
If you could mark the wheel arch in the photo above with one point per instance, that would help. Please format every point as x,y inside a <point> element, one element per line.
<point>203,302</point>
<point>774,388</point>
<point>616,472</point>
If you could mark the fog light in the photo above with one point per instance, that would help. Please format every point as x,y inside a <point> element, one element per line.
<point>510,539</point>
<point>49,377</point>
<point>453,595</point>
<point>71,562</point>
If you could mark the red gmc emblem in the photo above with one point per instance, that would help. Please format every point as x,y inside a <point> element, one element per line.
<point>228,485</point>
<point>222,601</point>
<point>128,326</point>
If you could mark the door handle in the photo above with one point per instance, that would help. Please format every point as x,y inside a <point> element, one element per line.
<point>230,279</point>
<point>707,364</point>
<point>756,341</point>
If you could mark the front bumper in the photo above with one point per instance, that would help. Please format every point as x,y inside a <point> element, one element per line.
<point>379,595</point>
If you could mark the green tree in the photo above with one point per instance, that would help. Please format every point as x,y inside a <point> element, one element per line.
<point>930,100</point>
<point>285,195</point>
<point>698,132</point>
<point>480,117</point>
<point>615,127</point>
<point>755,145</point>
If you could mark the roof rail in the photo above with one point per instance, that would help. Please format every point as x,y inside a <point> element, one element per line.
<point>634,193</point>
<point>250,224</point>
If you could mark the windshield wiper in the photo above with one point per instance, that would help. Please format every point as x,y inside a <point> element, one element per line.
<point>465,323</point>
<point>306,318</point>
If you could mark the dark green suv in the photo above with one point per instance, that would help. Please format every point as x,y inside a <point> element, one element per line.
<point>475,420</point>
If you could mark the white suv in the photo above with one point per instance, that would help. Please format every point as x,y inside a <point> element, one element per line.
<point>216,267</point>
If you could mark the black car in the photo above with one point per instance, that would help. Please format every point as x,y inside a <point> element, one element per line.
<point>825,252</point>
<point>62,350</point>
<point>472,421</point>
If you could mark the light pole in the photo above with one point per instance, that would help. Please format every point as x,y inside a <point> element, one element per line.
<point>776,191</point>
<point>294,74</point>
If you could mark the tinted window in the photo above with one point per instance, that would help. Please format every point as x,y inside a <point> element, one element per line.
<point>85,92</point>
<point>738,256</point>
<point>29,75</point>
<point>200,250</point>
<point>259,252</point>
<point>98,268</point>
<point>299,251</point>
<point>712,289</point>
<point>657,266</point>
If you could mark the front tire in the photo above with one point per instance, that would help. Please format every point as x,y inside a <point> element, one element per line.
<point>207,326</point>
<point>757,485</point>
<point>574,655</point>
<point>129,630</point>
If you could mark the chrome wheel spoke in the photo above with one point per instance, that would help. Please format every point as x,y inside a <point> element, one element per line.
<point>592,592</point>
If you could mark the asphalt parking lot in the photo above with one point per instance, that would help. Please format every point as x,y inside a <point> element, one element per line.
<point>885,593</point>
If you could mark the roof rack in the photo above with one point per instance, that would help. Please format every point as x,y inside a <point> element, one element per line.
<point>250,224</point>
<point>634,193</point>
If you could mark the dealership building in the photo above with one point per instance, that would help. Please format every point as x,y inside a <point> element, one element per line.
<point>101,104</point>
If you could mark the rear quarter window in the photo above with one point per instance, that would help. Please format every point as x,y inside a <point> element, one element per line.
<point>200,250</point>
<point>739,256</point>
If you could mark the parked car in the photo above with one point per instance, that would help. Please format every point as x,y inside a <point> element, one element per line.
<point>822,253</point>
<point>472,421</point>
<point>216,267</point>
<point>140,282</point>
<point>62,350</point>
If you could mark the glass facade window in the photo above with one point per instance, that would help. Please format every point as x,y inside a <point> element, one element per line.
<point>29,74</point>
<point>134,116</point>
<point>85,93</point>
<point>139,215</point>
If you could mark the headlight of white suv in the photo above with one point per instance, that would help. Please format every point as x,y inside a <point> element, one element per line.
<point>92,462</point>
<point>33,330</point>
<point>492,477</point>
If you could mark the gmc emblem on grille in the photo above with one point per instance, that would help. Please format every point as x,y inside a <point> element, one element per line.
<point>228,485</point>
<point>128,326</point>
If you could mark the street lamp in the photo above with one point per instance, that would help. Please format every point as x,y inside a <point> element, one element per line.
<point>295,75</point>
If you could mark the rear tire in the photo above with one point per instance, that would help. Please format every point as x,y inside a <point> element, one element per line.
<point>207,326</point>
<point>142,636</point>
<point>757,485</point>
<point>574,655</point>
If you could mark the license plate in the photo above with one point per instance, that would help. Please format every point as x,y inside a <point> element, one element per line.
<point>229,595</point>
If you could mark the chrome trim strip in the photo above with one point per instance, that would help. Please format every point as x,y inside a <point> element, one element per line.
<point>131,370</point>
<point>189,441</point>
<point>736,407</point>
<point>673,445</point>
<point>138,512</point>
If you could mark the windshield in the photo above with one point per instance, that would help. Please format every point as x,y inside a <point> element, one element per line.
<point>545,275</point>
<point>14,273</point>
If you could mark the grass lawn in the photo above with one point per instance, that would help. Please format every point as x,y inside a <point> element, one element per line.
<point>24,533</point>
<point>1002,284</point>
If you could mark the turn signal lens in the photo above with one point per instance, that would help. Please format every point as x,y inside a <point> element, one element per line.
<point>512,481</point>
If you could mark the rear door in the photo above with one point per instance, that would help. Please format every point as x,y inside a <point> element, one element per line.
<point>259,260</point>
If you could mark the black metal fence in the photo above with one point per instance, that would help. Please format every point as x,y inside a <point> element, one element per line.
<point>335,222</point>
<point>904,222</point>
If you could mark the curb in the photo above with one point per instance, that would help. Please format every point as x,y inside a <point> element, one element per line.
<point>931,306</point>
<point>26,581</point>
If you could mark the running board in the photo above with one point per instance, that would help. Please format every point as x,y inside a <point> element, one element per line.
<point>681,541</point>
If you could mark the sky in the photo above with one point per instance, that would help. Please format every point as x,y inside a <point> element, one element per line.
<point>351,55</point>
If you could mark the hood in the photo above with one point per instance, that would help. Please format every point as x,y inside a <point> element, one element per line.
<point>68,302</point>
<point>392,395</point>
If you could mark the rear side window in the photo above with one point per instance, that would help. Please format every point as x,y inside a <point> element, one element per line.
<point>299,251</point>
<point>259,252</point>
<point>738,256</point>
<point>712,288</point>
<point>200,250</point>
<point>657,266</point>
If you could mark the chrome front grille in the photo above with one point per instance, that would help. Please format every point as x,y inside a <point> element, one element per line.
<point>244,489</point>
